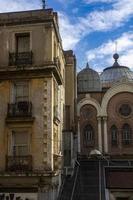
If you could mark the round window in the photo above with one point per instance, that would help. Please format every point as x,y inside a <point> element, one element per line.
<point>125,110</point>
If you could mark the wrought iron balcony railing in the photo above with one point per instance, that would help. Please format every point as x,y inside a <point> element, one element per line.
<point>20,109</point>
<point>127,141</point>
<point>19,163</point>
<point>22,58</point>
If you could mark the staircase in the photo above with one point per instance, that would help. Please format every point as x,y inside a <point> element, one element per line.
<point>87,182</point>
<point>69,184</point>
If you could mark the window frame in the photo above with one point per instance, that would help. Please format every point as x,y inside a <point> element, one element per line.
<point>13,90</point>
<point>13,39</point>
<point>114,135</point>
<point>23,96</point>
<point>126,136</point>
<point>21,131</point>
<point>17,38</point>
<point>89,139</point>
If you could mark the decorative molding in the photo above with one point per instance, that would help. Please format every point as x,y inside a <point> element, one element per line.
<point>117,88</point>
<point>91,101</point>
<point>45,133</point>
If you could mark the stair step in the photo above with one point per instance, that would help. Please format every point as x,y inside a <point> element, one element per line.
<point>87,185</point>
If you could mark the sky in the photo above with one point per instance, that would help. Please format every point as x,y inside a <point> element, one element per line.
<point>93,29</point>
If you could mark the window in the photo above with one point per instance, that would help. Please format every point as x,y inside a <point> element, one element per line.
<point>56,108</point>
<point>114,133</point>
<point>20,105</point>
<point>89,135</point>
<point>22,54</point>
<point>125,110</point>
<point>20,143</point>
<point>22,42</point>
<point>126,134</point>
<point>21,91</point>
<point>86,112</point>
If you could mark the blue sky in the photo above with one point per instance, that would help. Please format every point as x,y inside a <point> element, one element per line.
<point>90,28</point>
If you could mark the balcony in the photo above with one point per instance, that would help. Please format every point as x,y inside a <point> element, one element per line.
<point>20,109</point>
<point>23,58</point>
<point>127,142</point>
<point>19,163</point>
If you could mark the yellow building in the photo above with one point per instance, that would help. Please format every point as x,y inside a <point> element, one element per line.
<point>32,68</point>
<point>69,131</point>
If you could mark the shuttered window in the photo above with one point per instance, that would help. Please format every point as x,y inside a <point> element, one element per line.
<point>114,135</point>
<point>89,135</point>
<point>21,91</point>
<point>20,143</point>
<point>22,42</point>
<point>126,134</point>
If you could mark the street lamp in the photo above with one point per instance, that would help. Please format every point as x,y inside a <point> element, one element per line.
<point>95,153</point>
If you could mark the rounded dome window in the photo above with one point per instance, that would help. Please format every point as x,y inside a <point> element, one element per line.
<point>125,110</point>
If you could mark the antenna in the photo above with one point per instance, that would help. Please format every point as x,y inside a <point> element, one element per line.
<point>116,44</point>
<point>43,4</point>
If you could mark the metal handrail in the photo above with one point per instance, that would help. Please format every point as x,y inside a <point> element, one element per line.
<point>61,190</point>
<point>75,180</point>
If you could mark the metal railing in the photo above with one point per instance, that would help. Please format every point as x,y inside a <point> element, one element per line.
<point>22,58</point>
<point>20,109</point>
<point>123,141</point>
<point>19,163</point>
<point>126,141</point>
<point>75,189</point>
<point>61,189</point>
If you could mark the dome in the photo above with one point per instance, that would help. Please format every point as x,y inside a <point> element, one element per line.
<point>88,80</point>
<point>115,73</point>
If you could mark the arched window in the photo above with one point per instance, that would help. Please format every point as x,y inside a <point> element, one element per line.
<point>126,134</point>
<point>89,135</point>
<point>114,135</point>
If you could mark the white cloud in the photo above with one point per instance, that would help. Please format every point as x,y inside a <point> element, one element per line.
<point>102,56</point>
<point>95,21</point>
<point>98,1</point>
<point>98,20</point>
<point>70,34</point>
<point>109,19</point>
<point>18,5</point>
<point>127,58</point>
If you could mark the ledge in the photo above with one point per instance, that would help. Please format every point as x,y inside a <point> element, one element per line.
<point>19,119</point>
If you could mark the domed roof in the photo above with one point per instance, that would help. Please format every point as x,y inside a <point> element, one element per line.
<point>88,80</point>
<point>115,73</point>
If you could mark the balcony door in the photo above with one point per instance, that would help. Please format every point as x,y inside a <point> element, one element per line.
<point>19,158</point>
<point>21,91</point>
<point>22,42</point>
<point>20,143</point>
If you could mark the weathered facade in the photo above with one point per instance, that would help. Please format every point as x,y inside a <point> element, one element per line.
<point>105,131</point>
<point>69,131</point>
<point>32,70</point>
